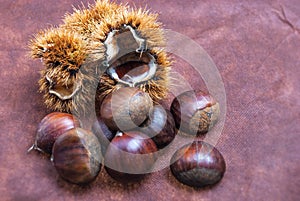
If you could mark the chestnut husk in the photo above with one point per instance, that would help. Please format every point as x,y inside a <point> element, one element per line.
<point>198,164</point>
<point>51,127</point>
<point>77,157</point>
<point>125,109</point>
<point>130,156</point>
<point>195,112</point>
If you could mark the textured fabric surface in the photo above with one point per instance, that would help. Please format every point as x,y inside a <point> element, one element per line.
<point>256,48</point>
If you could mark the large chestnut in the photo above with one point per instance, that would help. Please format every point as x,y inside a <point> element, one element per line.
<point>51,127</point>
<point>160,126</point>
<point>198,164</point>
<point>130,156</point>
<point>195,112</point>
<point>77,156</point>
<point>125,109</point>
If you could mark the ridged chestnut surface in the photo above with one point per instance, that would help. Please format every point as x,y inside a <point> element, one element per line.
<point>77,156</point>
<point>125,109</point>
<point>198,164</point>
<point>51,127</point>
<point>130,156</point>
<point>195,112</point>
<point>160,126</point>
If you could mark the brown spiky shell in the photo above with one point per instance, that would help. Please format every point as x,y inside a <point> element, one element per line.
<point>66,81</point>
<point>146,27</point>
<point>74,52</point>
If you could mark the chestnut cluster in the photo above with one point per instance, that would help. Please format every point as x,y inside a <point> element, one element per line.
<point>75,152</point>
<point>126,137</point>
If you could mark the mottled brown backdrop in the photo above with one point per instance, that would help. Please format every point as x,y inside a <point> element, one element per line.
<point>256,47</point>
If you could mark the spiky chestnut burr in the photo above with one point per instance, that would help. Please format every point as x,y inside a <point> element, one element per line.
<point>66,81</point>
<point>134,53</point>
<point>89,32</point>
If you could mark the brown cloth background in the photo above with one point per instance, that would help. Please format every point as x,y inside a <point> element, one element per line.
<point>256,47</point>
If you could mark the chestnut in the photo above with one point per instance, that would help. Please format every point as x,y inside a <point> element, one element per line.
<point>195,112</point>
<point>125,108</point>
<point>50,128</point>
<point>103,134</point>
<point>198,164</point>
<point>160,126</point>
<point>76,155</point>
<point>130,156</point>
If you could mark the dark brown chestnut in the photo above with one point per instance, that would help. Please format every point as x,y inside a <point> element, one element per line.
<point>50,128</point>
<point>125,109</point>
<point>76,155</point>
<point>130,156</point>
<point>198,164</point>
<point>103,134</point>
<point>195,112</point>
<point>160,126</point>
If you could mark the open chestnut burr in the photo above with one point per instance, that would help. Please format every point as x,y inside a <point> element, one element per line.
<point>76,155</point>
<point>125,109</point>
<point>130,156</point>
<point>195,112</point>
<point>198,164</point>
<point>106,35</point>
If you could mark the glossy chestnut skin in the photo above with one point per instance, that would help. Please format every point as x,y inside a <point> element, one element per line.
<point>160,126</point>
<point>198,164</point>
<point>76,155</point>
<point>195,112</point>
<point>103,133</point>
<point>51,127</point>
<point>125,109</point>
<point>130,156</point>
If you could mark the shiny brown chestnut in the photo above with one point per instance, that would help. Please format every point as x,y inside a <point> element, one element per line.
<point>103,133</point>
<point>130,156</point>
<point>195,112</point>
<point>125,109</point>
<point>198,164</point>
<point>51,127</point>
<point>160,126</point>
<point>76,155</point>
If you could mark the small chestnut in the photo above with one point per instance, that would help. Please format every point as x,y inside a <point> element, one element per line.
<point>103,134</point>
<point>198,164</point>
<point>160,126</point>
<point>125,109</point>
<point>76,155</point>
<point>195,112</point>
<point>51,127</point>
<point>130,156</point>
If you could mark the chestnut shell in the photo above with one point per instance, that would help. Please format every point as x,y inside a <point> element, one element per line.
<point>76,155</point>
<point>130,156</point>
<point>51,127</point>
<point>125,109</point>
<point>198,164</point>
<point>195,112</point>
<point>103,133</point>
<point>160,126</point>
